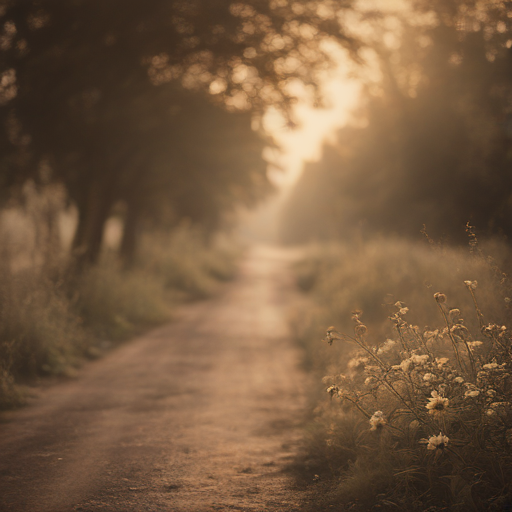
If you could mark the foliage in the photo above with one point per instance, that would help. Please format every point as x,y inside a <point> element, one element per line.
<point>100,96</point>
<point>424,416</point>
<point>187,262</point>
<point>430,141</point>
<point>49,323</point>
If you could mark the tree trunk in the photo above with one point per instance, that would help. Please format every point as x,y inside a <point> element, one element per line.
<point>92,215</point>
<point>129,242</point>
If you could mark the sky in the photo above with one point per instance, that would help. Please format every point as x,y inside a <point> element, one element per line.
<point>315,126</point>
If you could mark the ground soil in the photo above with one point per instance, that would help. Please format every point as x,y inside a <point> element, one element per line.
<point>202,414</point>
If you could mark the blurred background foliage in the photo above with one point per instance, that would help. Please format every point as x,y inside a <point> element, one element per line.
<point>431,141</point>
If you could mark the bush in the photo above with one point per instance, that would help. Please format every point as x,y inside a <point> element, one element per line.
<point>187,262</point>
<point>114,304</point>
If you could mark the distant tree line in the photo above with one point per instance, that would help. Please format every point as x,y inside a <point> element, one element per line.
<point>433,141</point>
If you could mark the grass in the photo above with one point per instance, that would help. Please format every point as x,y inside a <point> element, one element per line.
<point>49,324</point>
<point>418,410</point>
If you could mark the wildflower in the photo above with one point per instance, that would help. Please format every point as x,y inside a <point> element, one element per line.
<point>438,442</point>
<point>431,335</point>
<point>357,363</point>
<point>332,335</point>
<point>403,311</point>
<point>440,297</point>
<point>428,377</point>
<point>332,390</point>
<point>454,313</point>
<point>360,329</point>
<point>437,404</point>
<point>405,365</point>
<point>377,420</point>
<point>419,359</point>
<point>471,284</point>
<point>388,345</point>
<point>471,393</point>
<point>458,380</point>
<point>369,381</point>
<point>490,366</point>
<point>441,361</point>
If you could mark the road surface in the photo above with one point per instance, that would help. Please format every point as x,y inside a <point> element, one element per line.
<point>202,414</point>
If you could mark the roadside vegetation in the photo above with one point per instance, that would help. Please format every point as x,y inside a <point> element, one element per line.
<point>413,406</point>
<point>51,321</point>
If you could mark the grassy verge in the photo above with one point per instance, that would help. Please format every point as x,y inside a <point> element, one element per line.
<point>48,326</point>
<point>418,373</point>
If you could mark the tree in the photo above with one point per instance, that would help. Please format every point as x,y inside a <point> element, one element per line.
<point>436,148</point>
<point>83,68</point>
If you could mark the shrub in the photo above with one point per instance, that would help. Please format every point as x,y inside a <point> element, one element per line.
<point>114,303</point>
<point>424,414</point>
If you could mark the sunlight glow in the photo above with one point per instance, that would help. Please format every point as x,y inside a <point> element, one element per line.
<point>316,125</point>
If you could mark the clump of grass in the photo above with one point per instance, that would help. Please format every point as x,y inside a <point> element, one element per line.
<point>186,261</point>
<point>421,416</point>
<point>40,333</point>
<point>114,303</point>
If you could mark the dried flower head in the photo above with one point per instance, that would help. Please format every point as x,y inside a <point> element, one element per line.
<point>454,313</point>
<point>377,420</point>
<point>419,359</point>
<point>437,404</point>
<point>360,329</point>
<point>471,284</point>
<point>438,442</point>
<point>386,346</point>
<point>440,297</point>
<point>331,335</point>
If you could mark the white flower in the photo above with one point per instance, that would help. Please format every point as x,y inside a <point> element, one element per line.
<point>438,442</point>
<point>419,359</point>
<point>428,377</point>
<point>357,363</point>
<point>490,366</point>
<point>369,381</point>
<point>437,404</point>
<point>377,420</point>
<point>472,393</point>
<point>332,390</point>
<point>441,361</point>
<point>387,345</point>
<point>405,365</point>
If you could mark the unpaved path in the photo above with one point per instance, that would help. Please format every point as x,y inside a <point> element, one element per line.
<point>202,414</point>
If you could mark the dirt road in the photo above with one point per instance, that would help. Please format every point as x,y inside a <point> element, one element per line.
<point>198,415</point>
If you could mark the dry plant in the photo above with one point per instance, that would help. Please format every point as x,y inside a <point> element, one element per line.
<point>422,418</point>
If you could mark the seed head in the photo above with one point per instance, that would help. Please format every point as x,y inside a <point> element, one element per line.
<point>440,297</point>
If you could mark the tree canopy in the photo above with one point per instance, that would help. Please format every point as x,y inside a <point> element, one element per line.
<point>434,141</point>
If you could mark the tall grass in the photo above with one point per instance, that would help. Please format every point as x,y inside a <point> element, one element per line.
<point>50,323</point>
<point>418,409</point>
